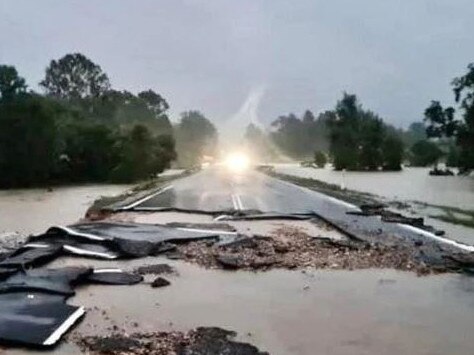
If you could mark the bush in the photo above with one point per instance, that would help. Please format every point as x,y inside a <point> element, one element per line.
<point>320,159</point>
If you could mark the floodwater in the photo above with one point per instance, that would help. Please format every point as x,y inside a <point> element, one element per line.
<point>410,184</point>
<point>31,211</point>
<point>291,312</point>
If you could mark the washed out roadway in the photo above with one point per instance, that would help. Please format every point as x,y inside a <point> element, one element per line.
<point>217,189</point>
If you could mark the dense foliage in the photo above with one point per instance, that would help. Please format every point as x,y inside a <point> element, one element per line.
<point>301,137</point>
<point>320,159</point>
<point>425,153</point>
<point>352,138</point>
<point>81,130</point>
<point>196,137</point>
<point>443,123</point>
<point>359,140</point>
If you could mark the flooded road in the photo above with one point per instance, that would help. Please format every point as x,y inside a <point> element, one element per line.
<point>29,211</point>
<point>306,311</point>
<point>411,184</point>
<point>291,312</point>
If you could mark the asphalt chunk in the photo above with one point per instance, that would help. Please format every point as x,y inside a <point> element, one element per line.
<point>160,282</point>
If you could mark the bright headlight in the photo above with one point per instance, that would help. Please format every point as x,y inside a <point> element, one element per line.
<point>237,162</point>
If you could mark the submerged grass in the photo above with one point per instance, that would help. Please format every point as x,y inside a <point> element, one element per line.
<point>450,214</point>
<point>455,220</point>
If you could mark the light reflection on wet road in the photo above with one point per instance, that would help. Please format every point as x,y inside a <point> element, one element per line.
<point>217,190</point>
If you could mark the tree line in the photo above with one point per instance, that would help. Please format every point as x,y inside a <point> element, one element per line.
<point>456,125</point>
<point>80,129</point>
<point>354,138</point>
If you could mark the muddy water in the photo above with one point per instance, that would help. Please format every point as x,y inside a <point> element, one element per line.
<point>294,312</point>
<point>409,184</point>
<point>30,211</point>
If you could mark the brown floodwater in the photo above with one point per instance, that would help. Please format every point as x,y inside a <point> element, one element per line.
<point>280,311</point>
<point>292,312</point>
<point>410,184</point>
<point>29,211</point>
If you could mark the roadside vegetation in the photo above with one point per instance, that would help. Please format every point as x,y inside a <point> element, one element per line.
<point>80,129</point>
<point>456,125</point>
<point>354,138</point>
<point>349,136</point>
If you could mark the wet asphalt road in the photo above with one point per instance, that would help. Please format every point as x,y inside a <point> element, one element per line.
<point>218,190</point>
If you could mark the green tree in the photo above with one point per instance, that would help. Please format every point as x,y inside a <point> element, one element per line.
<point>320,159</point>
<point>73,77</point>
<point>359,140</point>
<point>441,121</point>
<point>155,102</point>
<point>28,141</point>
<point>142,155</point>
<point>196,136</point>
<point>425,153</point>
<point>392,153</point>
<point>344,133</point>
<point>300,137</point>
<point>89,152</point>
<point>371,139</point>
<point>464,95</point>
<point>11,84</point>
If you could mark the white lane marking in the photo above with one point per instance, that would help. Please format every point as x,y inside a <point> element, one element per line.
<point>438,238</point>
<point>146,198</point>
<point>237,202</point>
<point>75,250</point>
<point>79,234</point>
<point>80,251</point>
<point>323,196</point>
<point>107,271</point>
<point>234,202</point>
<point>221,217</point>
<point>54,337</point>
<point>427,234</point>
<point>36,245</point>
<point>213,231</point>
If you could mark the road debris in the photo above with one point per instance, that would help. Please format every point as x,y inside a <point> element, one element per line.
<point>160,282</point>
<point>291,248</point>
<point>381,210</point>
<point>155,269</point>
<point>200,341</point>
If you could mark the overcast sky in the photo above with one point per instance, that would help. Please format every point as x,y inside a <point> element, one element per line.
<point>209,55</point>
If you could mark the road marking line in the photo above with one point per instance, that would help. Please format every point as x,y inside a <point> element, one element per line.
<point>438,238</point>
<point>80,251</point>
<point>78,234</point>
<point>451,242</point>
<point>54,337</point>
<point>234,202</point>
<point>146,198</point>
<point>212,231</point>
<point>221,217</point>
<point>107,271</point>
<point>239,202</point>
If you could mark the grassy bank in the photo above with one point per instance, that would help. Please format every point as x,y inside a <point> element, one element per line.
<point>141,189</point>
